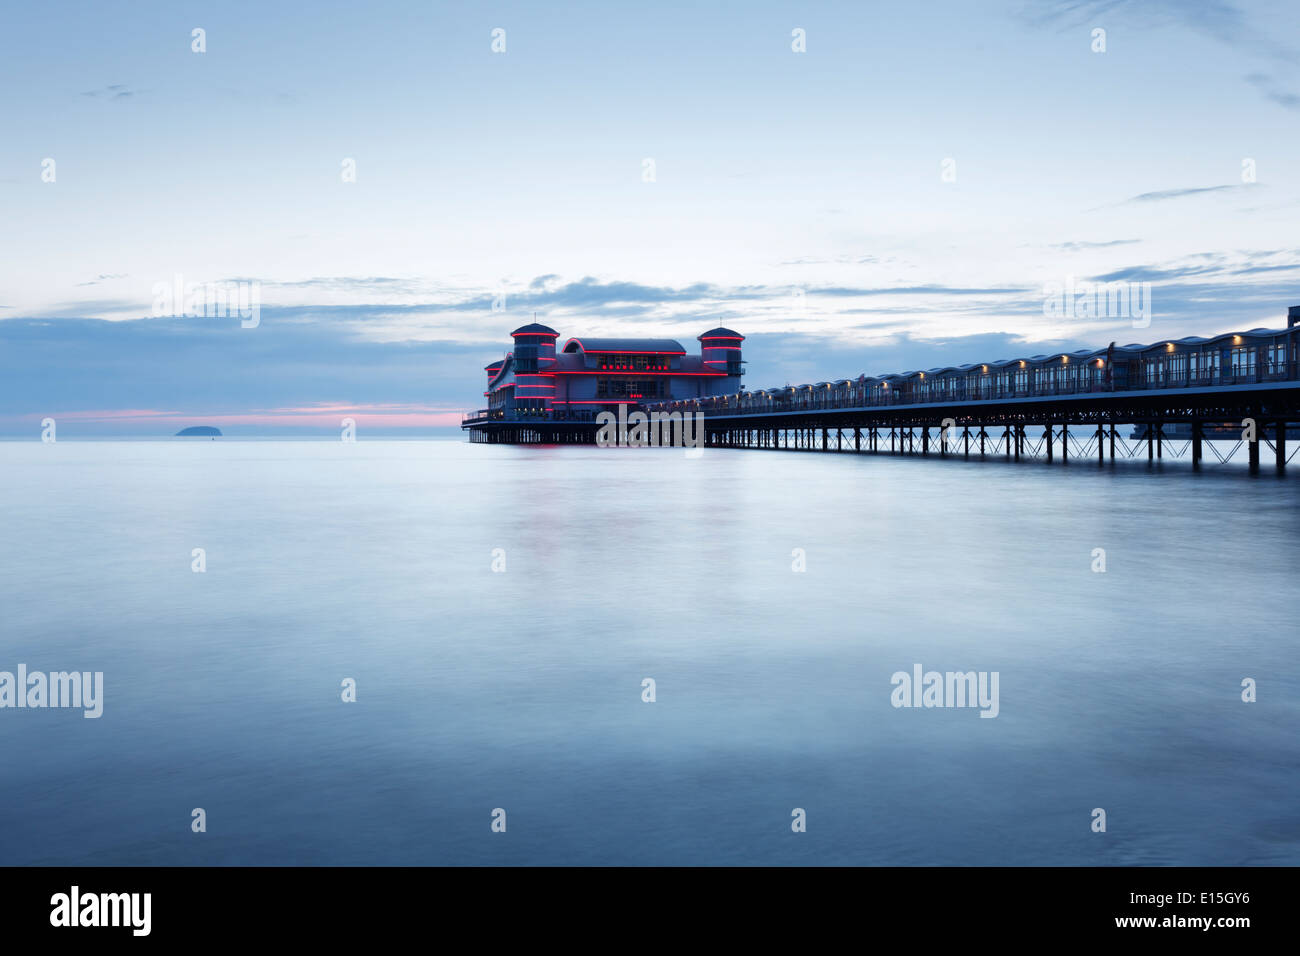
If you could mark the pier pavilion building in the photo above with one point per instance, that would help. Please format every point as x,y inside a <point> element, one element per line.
<point>586,376</point>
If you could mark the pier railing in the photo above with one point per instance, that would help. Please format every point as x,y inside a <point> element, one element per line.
<point>524,415</point>
<point>918,392</point>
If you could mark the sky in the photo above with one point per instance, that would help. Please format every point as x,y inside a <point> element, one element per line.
<point>900,193</point>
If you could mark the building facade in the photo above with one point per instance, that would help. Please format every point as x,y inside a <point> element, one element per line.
<point>587,376</point>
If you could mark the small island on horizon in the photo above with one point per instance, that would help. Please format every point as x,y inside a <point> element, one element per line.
<point>199,431</point>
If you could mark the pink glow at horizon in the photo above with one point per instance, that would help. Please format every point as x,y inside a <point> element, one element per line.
<point>323,416</point>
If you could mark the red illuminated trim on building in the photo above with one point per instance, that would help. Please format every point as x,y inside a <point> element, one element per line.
<point>551,374</point>
<point>629,352</point>
<point>669,373</point>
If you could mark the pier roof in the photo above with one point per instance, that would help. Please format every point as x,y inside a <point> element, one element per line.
<point>1130,351</point>
<point>534,328</point>
<point>657,346</point>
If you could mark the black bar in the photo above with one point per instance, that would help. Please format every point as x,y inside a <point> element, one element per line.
<point>335,905</point>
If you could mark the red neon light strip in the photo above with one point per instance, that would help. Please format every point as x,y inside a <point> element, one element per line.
<point>625,371</point>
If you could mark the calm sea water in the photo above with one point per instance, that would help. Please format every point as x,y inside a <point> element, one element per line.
<point>522,690</point>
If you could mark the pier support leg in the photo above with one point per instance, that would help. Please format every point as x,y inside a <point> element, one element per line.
<point>1254,453</point>
<point>1279,443</point>
<point>1020,440</point>
<point>1112,444</point>
<point>983,436</point>
<point>1065,444</point>
<point>857,439</point>
<point>1196,444</point>
<point>1049,443</point>
<point>1151,442</point>
<point>1006,442</point>
<point>925,440</point>
<point>1160,440</point>
<point>965,437</point>
<point>1101,446</point>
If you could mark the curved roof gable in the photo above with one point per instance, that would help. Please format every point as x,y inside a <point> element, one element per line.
<point>535,328</point>
<point>720,333</point>
<point>655,346</point>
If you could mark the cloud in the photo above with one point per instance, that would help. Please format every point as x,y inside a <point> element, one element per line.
<point>339,283</point>
<point>833,260</point>
<point>1207,264</point>
<point>114,92</point>
<point>1149,274</point>
<point>82,308</point>
<point>1272,91</point>
<point>1163,194</point>
<point>590,292</point>
<point>1220,20</point>
<point>415,365</point>
<point>104,277</point>
<point>1082,245</point>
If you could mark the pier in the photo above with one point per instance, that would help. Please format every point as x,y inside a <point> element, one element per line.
<point>1184,395</point>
